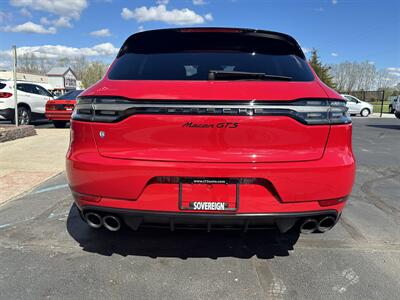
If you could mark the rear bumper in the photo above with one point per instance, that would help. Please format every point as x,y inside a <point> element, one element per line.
<point>7,113</point>
<point>156,219</point>
<point>269,189</point>
<point>59,115</point>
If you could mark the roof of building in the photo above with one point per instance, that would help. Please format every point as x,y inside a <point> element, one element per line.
<point>59,71</point>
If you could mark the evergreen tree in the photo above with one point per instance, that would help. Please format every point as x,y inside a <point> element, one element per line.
<point>321,70</point>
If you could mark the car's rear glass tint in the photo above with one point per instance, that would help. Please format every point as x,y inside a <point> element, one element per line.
<point>70,95</point>
<point>169,55</point>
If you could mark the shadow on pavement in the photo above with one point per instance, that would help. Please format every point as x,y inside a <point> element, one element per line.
<point>265,244</point>
<point>386,126</point>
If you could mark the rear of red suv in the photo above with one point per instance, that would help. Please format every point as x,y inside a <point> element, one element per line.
<point>211,128</point>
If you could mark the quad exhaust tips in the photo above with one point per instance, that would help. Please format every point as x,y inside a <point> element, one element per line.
<point>314,225</point>
<point>93,220</point>
<point>110,222</point>
<point>308,226</point>
<point>326,224</point>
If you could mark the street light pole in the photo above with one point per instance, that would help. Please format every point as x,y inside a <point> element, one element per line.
<point>15,85</point>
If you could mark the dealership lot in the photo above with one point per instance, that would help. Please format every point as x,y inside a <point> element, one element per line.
<point>46,251</point>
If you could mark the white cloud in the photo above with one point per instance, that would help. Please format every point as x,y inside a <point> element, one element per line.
<point>319,9</point>
<point>393,69</point>
<point>67,8</point>
<point>5,16</point>
<point>56,51</point>
<point>371,62</point>
<point>140,28</point>
<point>30,27</point>
<point>60,22</point>
<point>160,13</point>
<point>395,74</point>
<point>163,2</point>
<point>101,32</point>
<point>306,50</point>
<point>26,13</point>
<point>334,2</point>
<point>199,2</point>
<point>44,21</point>
<point>208,17</point>
<point>335,54</point>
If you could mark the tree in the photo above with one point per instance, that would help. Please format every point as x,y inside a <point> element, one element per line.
<point>93,72</point>
<point>323,71</point>
<point>361,76</point>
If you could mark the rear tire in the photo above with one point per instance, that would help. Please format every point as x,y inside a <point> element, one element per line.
<point>365,112</point>
<point>24,116</point>
<point>60,124</point>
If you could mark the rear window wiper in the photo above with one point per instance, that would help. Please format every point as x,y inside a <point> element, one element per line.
<point>237,75</point>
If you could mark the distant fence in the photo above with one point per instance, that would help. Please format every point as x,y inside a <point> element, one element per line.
<point>376,98</point>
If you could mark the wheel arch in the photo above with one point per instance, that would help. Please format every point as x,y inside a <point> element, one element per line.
<point>23,104</point>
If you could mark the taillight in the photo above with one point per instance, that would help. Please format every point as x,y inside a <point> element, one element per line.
<point>5,95</point>
<point>307,111</point>
<point>51,106</point>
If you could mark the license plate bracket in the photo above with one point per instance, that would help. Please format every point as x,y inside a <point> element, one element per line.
<point>209,194</point>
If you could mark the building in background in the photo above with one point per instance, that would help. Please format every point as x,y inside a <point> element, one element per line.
<point>62,79</point>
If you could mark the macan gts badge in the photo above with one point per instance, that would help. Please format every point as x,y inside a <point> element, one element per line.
<point>213,128</point>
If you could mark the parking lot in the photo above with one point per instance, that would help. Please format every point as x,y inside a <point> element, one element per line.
<point>47,251</point>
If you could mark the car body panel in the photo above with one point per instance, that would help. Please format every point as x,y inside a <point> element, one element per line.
<point>330,177</point>
<point>226,139</point>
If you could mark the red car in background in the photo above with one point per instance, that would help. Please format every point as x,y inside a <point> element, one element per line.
<point>211,128</point>
<point>60,109</point>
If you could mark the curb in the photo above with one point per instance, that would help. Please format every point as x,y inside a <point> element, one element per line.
<point>10,132</point>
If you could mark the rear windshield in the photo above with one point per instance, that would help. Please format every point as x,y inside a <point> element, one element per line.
<point>2,85</point>
<point>70,95</point>
<point>190,56</point>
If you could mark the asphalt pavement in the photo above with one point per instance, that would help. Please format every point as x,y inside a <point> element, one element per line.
<point>46,251</point>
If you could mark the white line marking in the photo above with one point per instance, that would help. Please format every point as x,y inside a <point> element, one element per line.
<point>51,188</point>
<point>14,223</point>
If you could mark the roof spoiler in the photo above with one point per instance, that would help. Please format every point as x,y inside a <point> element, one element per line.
<point>164,40</point>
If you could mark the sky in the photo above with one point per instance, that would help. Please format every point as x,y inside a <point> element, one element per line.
<point>357,30</point>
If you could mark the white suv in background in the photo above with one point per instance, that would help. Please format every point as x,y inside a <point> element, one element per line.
<point>32,100</point>
<point>356,106</point>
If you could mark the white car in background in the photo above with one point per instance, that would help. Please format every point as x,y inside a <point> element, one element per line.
<point>397,110</point>
<point>32,99</point>
<point>358,107</point>
<point>393,102</point>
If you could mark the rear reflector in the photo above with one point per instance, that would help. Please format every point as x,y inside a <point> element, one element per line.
<point>83,197</point>
<point>5,95</point>
<point>331,202</point>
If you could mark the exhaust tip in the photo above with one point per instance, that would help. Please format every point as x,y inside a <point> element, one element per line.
<point>308,226</point>
<point>93,220</point>
<point>112,223</point>
<point>326,224</point>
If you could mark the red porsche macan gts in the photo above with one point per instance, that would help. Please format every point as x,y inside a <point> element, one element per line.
<point>213,128</point>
